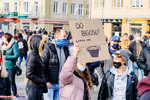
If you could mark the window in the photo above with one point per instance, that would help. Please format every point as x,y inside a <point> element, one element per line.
<point>36,8</point>
<point>87,10</point>
<point>99,3</point>
<point>73,9</point>
<point>55,7</point>
<point>117,3</point>
<point>15,7</point>
<point>80,9</point>
<point>6,7</point>
<point>137,3</point>
<point>64,10</point>
<point>26,7</point>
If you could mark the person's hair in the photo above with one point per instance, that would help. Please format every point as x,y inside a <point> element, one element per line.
<point>8,37</point>
<point>137,32</point>
<point>119,55</point>
<point>125,34</point>
<point>45,33</point>
<point>22,32</point>
<point>58,31</point>
<point>86,76</point>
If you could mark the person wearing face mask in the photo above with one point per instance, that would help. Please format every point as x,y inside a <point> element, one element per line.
<point>125,42</point>
<point>120,82</point>
<point>75,80</point>
<point>136,47</point>
<point>54,56</point>
<point>107,64</point>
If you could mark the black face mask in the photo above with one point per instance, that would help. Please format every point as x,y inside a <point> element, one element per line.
<point>117,64</point>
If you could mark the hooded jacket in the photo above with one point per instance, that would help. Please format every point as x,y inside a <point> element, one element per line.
<point>22,45</point>
<point>144,88</point>
<point>11,52</point>
<point>107,87</point>
<point>36,69</point>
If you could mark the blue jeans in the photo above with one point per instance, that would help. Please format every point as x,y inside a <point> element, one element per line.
<point>53,92</point>
<point>33,92</point>
<point>20,60</point>
<point>136,70</point>
<point>10,82</point>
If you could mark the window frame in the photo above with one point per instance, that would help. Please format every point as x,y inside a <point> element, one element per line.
<point>6,8</point>
<point>73,9</point>
<point>64,8</point>
<point>135,4</point>
<point>15,7</point>
<point>115,4</point>
<point>99,4</point>
<point>56,9</point>
<point>26,7</point>
<point>80,10</point>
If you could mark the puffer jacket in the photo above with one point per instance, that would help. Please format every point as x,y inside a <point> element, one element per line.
<point>22,45</point>
<point>11,52</point>
<point>107,86</point>
<point>71,86</point>
<point>36,69</point>
<point>50,58</point>
<point>143,61</point>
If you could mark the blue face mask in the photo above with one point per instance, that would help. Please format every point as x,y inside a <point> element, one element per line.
<point>81,68</point>
<point>115,46</point>
<point>61,42</point>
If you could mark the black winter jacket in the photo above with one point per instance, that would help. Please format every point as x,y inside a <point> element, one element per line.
<point>143,61</point>
<point>51,60</point>
<point>132,48</point>
<point>36,69</point>
<point>107,86</point>
<point>22,45</point>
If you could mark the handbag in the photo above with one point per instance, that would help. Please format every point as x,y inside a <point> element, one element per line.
<point>95,80</point>
<point>18,70</point>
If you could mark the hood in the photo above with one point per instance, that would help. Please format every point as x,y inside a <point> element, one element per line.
<point>127,72</point>
<point>34,43</point>
<point>126,53</point>
<point>144,85</point>
<point>4,47</point>
<point>20,35</point>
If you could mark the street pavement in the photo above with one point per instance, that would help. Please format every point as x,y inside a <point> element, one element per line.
<point>21,86</point>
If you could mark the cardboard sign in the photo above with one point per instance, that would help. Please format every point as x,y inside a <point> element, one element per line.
<point>89,36</point>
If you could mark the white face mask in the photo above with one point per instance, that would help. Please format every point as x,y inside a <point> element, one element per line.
<point>125,38</point>
<point>138,38</point>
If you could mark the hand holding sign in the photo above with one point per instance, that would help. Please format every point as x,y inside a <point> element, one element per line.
<point>89,36</point>
<point>76,50</point>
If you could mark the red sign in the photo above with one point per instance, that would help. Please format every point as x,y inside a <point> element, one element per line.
<point>9,20</point>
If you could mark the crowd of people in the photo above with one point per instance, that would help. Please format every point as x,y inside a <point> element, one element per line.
<point>54,71</point>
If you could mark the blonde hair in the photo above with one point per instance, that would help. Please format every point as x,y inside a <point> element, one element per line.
<point>86,76</point>
<point>3,68</point>
<point>119,55</point>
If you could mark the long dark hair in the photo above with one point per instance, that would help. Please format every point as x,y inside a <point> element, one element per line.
<point>8,37</point>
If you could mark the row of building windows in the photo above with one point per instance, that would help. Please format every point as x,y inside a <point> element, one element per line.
<point>119,3</point>
<point>74,9</point>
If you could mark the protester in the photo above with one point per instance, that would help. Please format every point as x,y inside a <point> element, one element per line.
<point>107,64</point>
<point>144,88</point>
<point>75,80</point>
<point>1,38</point>
<point>23,34</point>
<point>119,83</point>
<point>23,49</point>
<point>35,71</point>
<point>3,75</point>
<point>125,42</point>
<point>10,52</point>
<point>136,47</point>
<point>55,55</point>
<point>143,60</point>
<point>131,37</point>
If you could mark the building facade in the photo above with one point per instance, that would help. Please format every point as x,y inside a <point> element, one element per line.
<point>36,14</point>
<point>122,16</point>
